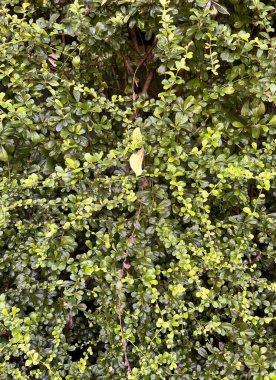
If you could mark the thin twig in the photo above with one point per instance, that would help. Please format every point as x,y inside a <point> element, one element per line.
<point>125,267</point>
<point>63,40</point>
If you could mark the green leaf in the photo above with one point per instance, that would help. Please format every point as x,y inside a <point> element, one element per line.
<point>229,90</point>
<point>74,164</point>
<point>76,61</point>
<point>245,109</point>
<point>238,124</point>
<point>180,119</point>
<point>3,154</point>
<point>136,161</point>
<point>77,95</point>
<point>202,352</point>
<point>273,120</point>
<point>256,132</point>
<point>137,138</point>
<point>67,240</point>
<point>249,362</point>
<point>220,8</point>
<point>188,102</point>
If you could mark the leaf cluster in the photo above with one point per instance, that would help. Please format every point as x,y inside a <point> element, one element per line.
<point>137,213</point>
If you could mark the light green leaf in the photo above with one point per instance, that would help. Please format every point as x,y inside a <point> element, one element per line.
<point>3,154</point>
<point>76,61</point>
<point>188,102</point>
<point>136,161</point>
<point>74,164</point>
<point>137,138</point>
<point>180,119</point>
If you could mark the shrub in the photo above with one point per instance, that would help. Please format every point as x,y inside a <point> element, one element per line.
<point>167,274</point>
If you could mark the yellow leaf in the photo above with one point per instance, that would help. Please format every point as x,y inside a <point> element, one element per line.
<point>25,5</point>
<point>136,161</point>
<point>137,138</point>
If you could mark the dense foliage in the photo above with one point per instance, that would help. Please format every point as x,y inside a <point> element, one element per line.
<point>163,275</point>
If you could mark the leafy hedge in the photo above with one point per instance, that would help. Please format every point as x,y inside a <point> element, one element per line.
<point>163,275</point>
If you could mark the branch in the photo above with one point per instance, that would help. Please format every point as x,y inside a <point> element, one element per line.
<point>142,62</point>
<point>134,40</point>
<point>147,82</point>
<point>125,267</point>
<point>128,66</point>
<point>116,79</point>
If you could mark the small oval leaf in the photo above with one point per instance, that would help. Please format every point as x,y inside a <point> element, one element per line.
<point>136,161</point>
<point>3,154</point>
